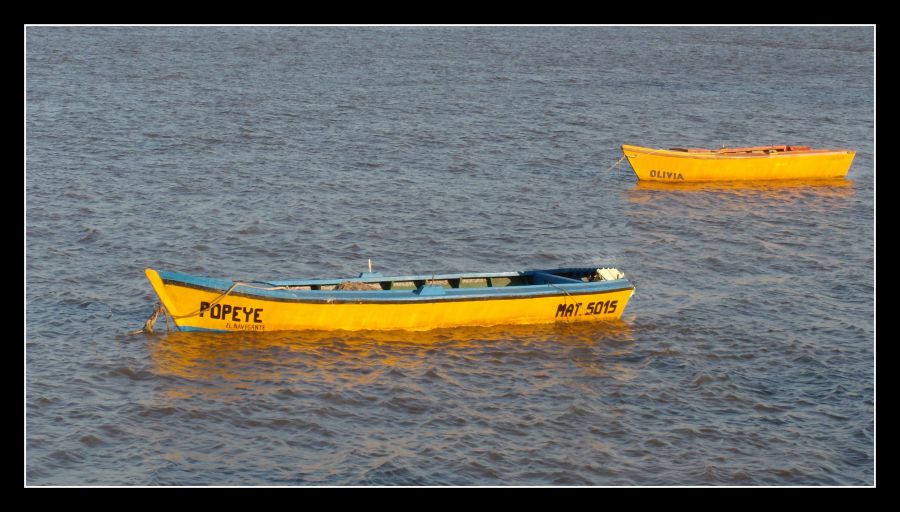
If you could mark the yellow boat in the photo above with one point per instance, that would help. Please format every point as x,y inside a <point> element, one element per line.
<point>410,302</point>
<point>680,165</point>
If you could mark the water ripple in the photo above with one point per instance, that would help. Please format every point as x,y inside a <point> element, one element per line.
<point>745,358</point>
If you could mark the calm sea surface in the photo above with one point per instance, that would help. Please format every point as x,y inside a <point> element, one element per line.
<point>745,357</point>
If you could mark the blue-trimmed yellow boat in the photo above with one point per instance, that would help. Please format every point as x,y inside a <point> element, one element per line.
<point>410,302</point>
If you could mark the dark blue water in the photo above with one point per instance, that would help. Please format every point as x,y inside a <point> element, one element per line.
<point>746,356</point>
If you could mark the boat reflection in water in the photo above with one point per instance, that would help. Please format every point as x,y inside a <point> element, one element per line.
<point>754,197</point>
<point>837,186</point>
<point>318,361</point>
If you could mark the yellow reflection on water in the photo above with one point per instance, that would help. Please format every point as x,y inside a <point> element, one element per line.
<point>839,187</point>
<point>329,355</point>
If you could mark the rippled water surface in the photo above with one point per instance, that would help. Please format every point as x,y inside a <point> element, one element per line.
<point>744,358</point>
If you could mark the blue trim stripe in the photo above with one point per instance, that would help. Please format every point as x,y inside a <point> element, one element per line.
<point>188,328</point>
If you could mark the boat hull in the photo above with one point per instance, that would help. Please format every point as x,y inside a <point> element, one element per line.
<point>664,165</point>
<point>243,310</point>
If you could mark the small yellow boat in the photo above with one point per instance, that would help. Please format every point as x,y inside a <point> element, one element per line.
<point>377,302</point>
<point>680,165</point>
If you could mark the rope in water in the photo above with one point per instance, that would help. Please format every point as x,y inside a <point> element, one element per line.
<point>619,161</point>
<point>597,179</point>
<point>148,325</point>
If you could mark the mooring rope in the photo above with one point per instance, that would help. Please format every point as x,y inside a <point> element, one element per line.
<point>211,303</point>
<point>160,309</point>
<point>619,161</point>
<point>565,301</point>
<point>148,325</point>
<point>558,288</point>
<point>615,164</point>
<point>225,294</point>
<point>597,179</point>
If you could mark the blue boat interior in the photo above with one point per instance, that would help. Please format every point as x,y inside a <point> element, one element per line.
<point>376,281</point>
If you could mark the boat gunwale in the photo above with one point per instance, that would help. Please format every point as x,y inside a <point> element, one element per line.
<point>713,155</point>
<point>399,296</point>
<point>410,297</point>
